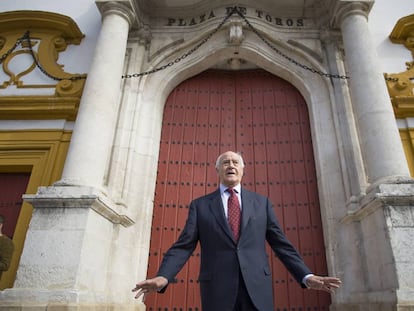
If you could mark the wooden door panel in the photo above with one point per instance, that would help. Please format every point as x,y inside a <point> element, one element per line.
<point>266,119</point>
<point>12,187</point>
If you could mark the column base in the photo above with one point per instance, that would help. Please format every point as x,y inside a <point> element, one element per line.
<point>383,228</point>
<point>372,307</point>
<point>72,307</point>
<point>77,254</point>
<point>72,196</point>
<point>16,299</point>
<point>397,194</point>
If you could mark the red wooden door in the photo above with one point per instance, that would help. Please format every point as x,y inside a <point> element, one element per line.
<point>12,187</point>
<point>266,119</point>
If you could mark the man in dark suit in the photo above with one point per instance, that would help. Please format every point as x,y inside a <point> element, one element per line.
<point>232,227</point>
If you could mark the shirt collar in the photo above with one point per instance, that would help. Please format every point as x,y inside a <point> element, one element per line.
<point>223,188</point>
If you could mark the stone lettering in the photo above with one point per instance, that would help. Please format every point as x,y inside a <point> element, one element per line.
<point>259,13</point>
<point>211,15</point>
<point>171,21</point>
<point>278,21</point>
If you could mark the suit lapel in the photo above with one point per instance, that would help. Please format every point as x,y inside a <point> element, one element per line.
<point>217,209</point>
<point>247,209</point>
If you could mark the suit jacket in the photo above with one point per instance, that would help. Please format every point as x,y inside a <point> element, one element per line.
<point>223,260</point>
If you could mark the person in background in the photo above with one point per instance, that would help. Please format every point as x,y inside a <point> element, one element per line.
<point>6,249</point>
<point>232,225</point>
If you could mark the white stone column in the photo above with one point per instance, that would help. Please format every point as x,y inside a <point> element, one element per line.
<point>380,140</point>
<point>92,137</point>
<point>382,225</point>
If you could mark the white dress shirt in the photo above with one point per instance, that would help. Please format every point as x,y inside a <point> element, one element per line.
<point>225,196</point>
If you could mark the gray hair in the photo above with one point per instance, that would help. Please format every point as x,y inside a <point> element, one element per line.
<point>221,155</point>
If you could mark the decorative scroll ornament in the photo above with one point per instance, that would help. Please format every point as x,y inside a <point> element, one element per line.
<point>401,85</point>
<point>42,48</point>
<point>31,62</point>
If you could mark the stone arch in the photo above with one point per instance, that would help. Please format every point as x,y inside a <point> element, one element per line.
<point>155,88</point>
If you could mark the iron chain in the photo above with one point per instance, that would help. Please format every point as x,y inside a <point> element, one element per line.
<point>18,42</point>
<point>290,59</point>
<point>191,51</point>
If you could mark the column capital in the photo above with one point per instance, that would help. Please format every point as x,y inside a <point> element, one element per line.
<point>122,8</point>
<point>343,8</point>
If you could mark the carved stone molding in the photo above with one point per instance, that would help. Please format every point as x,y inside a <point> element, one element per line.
<point>124,8</point>
<point>343,8</point>
<point>79,197</point>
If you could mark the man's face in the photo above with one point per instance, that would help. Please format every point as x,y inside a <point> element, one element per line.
<point>230,169</point>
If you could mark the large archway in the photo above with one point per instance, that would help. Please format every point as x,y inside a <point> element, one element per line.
<point>266,119</point>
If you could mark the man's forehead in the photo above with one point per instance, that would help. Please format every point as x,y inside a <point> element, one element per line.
<point>230,156</point>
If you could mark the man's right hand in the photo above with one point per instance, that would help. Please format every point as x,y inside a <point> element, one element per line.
<point>150,285</point>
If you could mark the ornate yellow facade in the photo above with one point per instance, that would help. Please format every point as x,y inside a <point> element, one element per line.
<point>39,36</point>
<point>401,85</point>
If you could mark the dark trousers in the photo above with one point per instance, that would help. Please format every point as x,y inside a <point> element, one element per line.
<point>243,300</point>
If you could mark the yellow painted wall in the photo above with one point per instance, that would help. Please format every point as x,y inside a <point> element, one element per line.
<point>407,138</point>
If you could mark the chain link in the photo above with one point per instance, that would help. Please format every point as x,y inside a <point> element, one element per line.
<point>26,38</point>
<point>18,42</point>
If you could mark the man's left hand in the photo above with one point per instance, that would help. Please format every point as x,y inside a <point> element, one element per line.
<point>324,283</point>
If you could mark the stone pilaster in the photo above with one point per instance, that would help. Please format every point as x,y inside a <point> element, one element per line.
<point>379,137</point>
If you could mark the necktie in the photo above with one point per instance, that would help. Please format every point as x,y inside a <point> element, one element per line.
<point>233,209</point>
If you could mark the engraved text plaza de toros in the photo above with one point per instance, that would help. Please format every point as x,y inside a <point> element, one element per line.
<point>278,21</point>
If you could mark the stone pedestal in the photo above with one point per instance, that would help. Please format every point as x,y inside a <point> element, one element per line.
<point>69,260</point>
<point>385,222</point>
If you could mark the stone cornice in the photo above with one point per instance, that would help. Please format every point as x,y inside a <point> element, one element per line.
<point>403,32</point>
<point>393,194</point>
<point>69,196</point>
<point>39,20</point>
